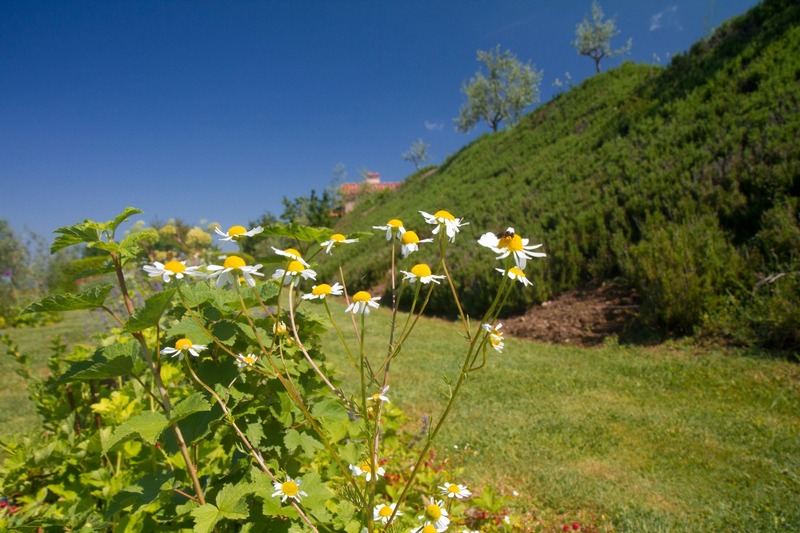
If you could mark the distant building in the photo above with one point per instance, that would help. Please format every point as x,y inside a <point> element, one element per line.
<point>352,192</point>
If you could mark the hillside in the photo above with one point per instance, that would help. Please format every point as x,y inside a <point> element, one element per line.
<point>680,182</point>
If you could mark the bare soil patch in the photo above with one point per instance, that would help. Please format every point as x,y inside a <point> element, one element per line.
<point>584,317</point>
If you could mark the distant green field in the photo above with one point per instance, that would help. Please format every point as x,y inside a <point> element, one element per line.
<point>668,438</point>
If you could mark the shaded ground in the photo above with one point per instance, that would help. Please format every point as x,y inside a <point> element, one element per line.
<point>582,317</point>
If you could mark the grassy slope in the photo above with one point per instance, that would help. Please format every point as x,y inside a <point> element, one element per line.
<point>654,438</point>
<point>709,144</point>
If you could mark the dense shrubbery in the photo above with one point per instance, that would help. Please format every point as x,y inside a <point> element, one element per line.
<point>635,173</point>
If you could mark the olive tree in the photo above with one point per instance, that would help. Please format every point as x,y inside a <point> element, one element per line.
<point>593,38</point>
<point>502,93</point>
<point>417,153</point>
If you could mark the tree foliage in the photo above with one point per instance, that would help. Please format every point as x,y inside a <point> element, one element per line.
<point>593,37</point>
<point>417,153</point>
<point>502,93</point>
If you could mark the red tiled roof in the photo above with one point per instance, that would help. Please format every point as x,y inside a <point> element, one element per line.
<point>358,188</point>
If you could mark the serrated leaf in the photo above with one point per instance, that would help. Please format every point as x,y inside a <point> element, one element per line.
<point>110,247</point>
<point>149,315</point>
<point>333,416</point>
<point>225,332</point>
<point>148,425</point>
<point>129,246</point>
<point>294,439</point>
<point>122,217</point>
<point>231,501</point>
<point>91,298</point>
<point>107,362</point>
<point>205,518</point>
<point>86,231</point>
<point>255,433</point>
<point>190,329</point>
<point>142,492</point>
<point>196,403</point>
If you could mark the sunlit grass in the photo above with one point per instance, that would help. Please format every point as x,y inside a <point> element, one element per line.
<point>654,438</point>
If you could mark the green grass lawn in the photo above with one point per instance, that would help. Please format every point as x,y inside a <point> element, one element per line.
<point>668,438</point>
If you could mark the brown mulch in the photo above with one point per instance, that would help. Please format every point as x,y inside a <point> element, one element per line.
<point>583,317</point>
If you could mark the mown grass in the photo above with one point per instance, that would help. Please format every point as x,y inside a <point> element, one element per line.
<point>668,438</point>
<point>35,342</point>
<point>671,438</point>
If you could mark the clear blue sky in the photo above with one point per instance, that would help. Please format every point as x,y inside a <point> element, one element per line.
<point>214,111</point>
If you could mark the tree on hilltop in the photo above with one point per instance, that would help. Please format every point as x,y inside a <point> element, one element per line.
<point>502,93</point>
<point>593,38</point>
<point>417,153</point>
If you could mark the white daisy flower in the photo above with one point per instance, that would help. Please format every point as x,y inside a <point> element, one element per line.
<point>324,290</point>
<point>444,219</point>
<point>288,489</point>
<point>393,228</point>
<point>279,328</point>
<point>296,270</point>
<point>246,360</point>
<point>495,336</point>
<point>454,490</point>
<point>233,270</point>
<point>509,243</point>
<point>515,273</point>
<point>383,512</point>
<point>365,469</point>
<point>292,254</point>
<point>238,232</point>
<point>437,515</point>
<point>172,268</point>
<point>410,243</point>
<point>421,272</point>
<point>182,347</point>
<point>336,240</point>
<point>381,396</point>
<point>362,301</point>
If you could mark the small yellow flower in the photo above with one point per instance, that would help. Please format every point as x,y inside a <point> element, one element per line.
<point>410,243</point>
<point>421,272</point>
<point>336,240</point>
<point>383,512</point>
<point>515,273</point>
<point>437,514</point>
<point>236,233</point>
<point>324,290</point>
<point>246,360</point>
<point>296,270</point>
<point>234,270</point>
<point>444,219</point>
<point>171,268</point>
<point>279,328</point>
<point>453,490</point>
<point>495,336</point>
<point>509,243</point>
<point>292,254</point>
<point>288,489</point>
<point>362,301</point>
<point>182,347</point>
<point>365,469</point>
<point>393,228</point>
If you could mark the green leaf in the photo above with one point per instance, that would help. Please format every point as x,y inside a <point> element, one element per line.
<point>122,217</point>
<point>141,493</point>
<point>295,439</point>
<point>205,518</point>
<point>196,403</point>
<point>190,329</point>
<point>86,231</point>
<point>91,298</point>
<point>148,425</point>
<point>225,332</point>
<point>110,247</point>
<point>231,501</point>
<point>149,315</point>
<point>129,247</point>
<point>107,362</point>
<point>333,416</point>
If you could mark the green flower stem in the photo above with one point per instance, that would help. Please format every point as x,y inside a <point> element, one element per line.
<point>255,453</point>
<point>162,390</point>
<point>340,334</point>
<point>442,249</point>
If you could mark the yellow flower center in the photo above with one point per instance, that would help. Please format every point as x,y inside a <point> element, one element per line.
<point>443,214</point>
<point>421,270</point>
<point>395,223</point>
<point>362,296</point>
<point>385,511</point>
<point>250,359</point>
<point>453,489</point>
<point>496,341</point>
<point>366,467</point>
<point>292,251</point>
<point>183,344</point>
<point>290,488</point>
<point>337,237</point>
<point>429,529</point>
<point>233,261</point>
<point>321,290</point>
<point>279,328</point>
<point>512,242</point>
<point>175,266</point>
<point>235,231</point>
<point>295,267</point>
<point>517,272</point>
<point>409,237</point>
<point>433,512</point>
